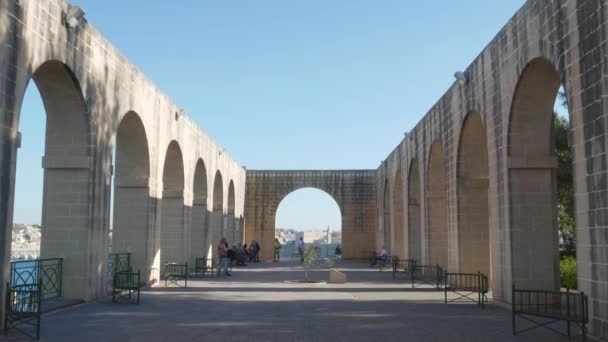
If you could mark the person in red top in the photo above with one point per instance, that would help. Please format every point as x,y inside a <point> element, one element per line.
<point>222,253</point>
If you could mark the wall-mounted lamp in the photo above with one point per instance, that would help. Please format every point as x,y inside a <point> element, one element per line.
<point>74,16</point>
<point>180,112</point>
<point>220,151</point>
<point>460,77</point>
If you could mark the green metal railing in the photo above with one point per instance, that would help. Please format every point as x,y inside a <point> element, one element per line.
<point>555,306</point>
<point>46,272</point>
<point>118,262</point>
<point>23,308</point>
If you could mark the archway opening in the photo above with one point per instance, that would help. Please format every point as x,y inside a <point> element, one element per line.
<point>217,216</point>
<point>474,253</point>
<point>312,214</point>
<point>132,193</point>
<point>437,204</point>
<point>413,213</point>
<point>54,202</point>
<point>199,232</point>
<point>398,217</point>
<point>172,237</point>
<point>29,178</point>
<point>540,180</point>
<point>386,222</point>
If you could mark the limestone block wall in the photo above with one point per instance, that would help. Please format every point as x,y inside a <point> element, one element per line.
<point>498,167</point>
<point>97,102</point>
<point>353,190</point>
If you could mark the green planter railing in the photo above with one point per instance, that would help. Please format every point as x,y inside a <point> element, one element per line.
<point>46,272</point>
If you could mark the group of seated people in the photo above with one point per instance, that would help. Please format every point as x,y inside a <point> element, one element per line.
<point>243,255</point>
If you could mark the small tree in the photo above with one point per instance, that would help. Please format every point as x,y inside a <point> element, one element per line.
<point>311,254</point>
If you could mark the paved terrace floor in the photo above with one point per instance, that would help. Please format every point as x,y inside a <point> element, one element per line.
<point>256,304</point>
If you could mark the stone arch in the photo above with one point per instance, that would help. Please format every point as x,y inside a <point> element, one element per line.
<point>437,206</point>
<point>413,213</point>
<point>66,208</point>
<point>532,164</point>
<point>355,192</point>
<point>386,222</point>
<point>217,215</point>
<point>284,195</point>
<point>132,193</point>
<point>199,246</point>
<point>230,218</point>
<point>398,217</point>
<point>173,236</point>
<point>473,194</point>
<point>288,191</point>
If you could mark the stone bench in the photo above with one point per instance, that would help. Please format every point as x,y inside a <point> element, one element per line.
<point>336,277</point>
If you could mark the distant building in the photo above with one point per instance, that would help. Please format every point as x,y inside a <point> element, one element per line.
<point>317,237</point>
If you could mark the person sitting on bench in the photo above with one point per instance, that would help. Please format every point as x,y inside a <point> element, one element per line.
<point>380,256</point>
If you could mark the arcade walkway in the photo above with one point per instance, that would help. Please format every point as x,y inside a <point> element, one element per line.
<point>255,304</point>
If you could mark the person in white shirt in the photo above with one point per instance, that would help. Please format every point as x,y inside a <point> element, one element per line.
<point>380,256</point>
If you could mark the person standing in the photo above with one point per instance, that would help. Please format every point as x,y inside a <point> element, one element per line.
<point>301,249</point>
<point>253,251</point>
<point>222,253</point>
<point>338,250</point>
<point>257,251</point>
<point>277,250</point>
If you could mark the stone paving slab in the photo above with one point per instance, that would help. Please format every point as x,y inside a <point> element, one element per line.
<point>256,304</point>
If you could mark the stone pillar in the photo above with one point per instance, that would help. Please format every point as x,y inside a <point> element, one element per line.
<point>216,231</point>
<point>8,151</point>
<point>187,236</point>
<point>231,230</point>
<point>66,230</point>
<point>198,248</point>
<point>155,224</point>
<point>172,229</point>
<point>209,217</point>
<point>131,230</point>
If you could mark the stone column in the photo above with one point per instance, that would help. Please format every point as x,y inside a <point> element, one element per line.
<point>131,230</point>
<point>198,248</point>
<point>66,230</point>
<point>172,228</point>
<point>8,151</point>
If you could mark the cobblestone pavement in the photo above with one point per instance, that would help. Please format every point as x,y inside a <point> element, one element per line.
<point>256,304</point>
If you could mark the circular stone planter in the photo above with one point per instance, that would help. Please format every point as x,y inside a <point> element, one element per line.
<point>305,282</point>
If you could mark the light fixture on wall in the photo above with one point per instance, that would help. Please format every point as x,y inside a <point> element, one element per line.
<point>179,113</point>
<point>461,77</point>
<point>74,16</point>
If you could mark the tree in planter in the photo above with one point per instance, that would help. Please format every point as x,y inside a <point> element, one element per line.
<point>311,254</point>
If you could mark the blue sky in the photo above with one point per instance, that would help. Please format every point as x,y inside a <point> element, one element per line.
<point>281,84</point>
